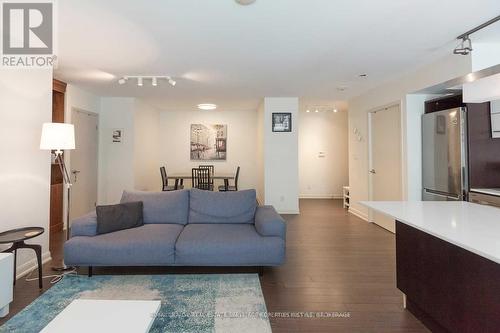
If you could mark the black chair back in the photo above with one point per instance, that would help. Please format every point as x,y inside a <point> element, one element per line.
<point>236,178</point>
<point>201,178</point>
<point>164,179</point>
<point>212,171</point>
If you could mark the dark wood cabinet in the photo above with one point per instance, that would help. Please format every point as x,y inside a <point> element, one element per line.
<point>447,287</point>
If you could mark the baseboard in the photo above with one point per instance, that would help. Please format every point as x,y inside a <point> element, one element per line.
<point>289,212</point>
<point>320,196</point>
<point>359,214</point>
<point>27,267</point>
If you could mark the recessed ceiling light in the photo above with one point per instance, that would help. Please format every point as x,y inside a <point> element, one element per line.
<point>316,111</point>
<point>207,106</point>
<point>245,2</point>
<point>308,110</point>
<point>335,110</point>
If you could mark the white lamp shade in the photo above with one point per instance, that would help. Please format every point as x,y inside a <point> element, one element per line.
<point>57,136</point>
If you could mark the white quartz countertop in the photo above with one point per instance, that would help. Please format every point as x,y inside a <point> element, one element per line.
<point>473,227</point>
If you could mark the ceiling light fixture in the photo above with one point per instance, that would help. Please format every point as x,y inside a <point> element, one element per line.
<point>245,2</point>
<point>123,80</point>
<point>207,106</point>
<point>335,110</point>
<point>308,111</point>
<point>139,81</point>
<point>171,81</point>
<point>316,111</point>
<point>154,81</point>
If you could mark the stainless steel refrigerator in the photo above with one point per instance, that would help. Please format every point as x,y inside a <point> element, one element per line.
<point>444,155</point>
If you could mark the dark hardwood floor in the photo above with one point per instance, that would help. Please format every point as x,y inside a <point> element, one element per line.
<point>335,263</point>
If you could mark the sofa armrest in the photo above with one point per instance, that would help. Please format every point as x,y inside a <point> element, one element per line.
<point>85,225</point>
<point>269,223</point>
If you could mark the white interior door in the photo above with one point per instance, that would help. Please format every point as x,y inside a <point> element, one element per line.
<point>385,158</point>
<point>84,163</point>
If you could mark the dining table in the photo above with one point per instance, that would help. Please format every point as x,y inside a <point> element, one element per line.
<point>179,177</point>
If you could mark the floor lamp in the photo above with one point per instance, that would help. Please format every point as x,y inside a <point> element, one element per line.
<point>58,137</point>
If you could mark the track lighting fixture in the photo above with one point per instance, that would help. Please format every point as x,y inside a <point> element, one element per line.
<point>321,109</point>
<point>154,80</point>
<point>465,46</point>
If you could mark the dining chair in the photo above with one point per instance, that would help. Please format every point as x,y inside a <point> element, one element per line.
<point>212,172</point>
<point>164,181</point>
<point>226,187</point>
<point>201,179</point>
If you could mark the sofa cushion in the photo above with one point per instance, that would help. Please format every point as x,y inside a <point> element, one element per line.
<point>149,245</point>
<point>123,216</point>
<point>227,245</point>
<point>222,207</point>
<point>161,207</point>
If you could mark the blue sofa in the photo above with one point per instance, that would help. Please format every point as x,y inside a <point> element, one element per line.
<point>184,228</point>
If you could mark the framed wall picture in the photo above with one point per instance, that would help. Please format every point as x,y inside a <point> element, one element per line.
<point>282,122</point>
<point>208,142</point>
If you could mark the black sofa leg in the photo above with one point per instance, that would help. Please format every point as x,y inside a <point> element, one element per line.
<point>90,271</point>
<point>261,271</point>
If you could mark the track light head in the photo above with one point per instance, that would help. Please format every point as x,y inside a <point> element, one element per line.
<point>172,82</point>
<point>123,80</point>
<point>140,81</point>
<point>154,81</point>
<point>465,46</point>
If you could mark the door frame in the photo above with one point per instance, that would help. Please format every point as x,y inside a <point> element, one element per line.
<point>69,152</point>
<point>370,151</point>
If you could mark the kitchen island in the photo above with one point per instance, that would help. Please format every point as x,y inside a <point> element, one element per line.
<point>448,263</point>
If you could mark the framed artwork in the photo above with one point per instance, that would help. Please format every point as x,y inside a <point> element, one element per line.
<point>282,122</point>
<point>117,135</point>
<point>208,142</point>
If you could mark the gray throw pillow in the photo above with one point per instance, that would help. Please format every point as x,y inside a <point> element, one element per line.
<point>119,217</point>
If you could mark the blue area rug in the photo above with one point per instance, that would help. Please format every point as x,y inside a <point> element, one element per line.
<point>189,303</point>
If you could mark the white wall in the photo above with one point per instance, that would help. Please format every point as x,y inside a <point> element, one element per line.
<point>260,188</point>
<point>25,104</point>
<point>281,161</point>
<point>392,92</point>
<point>116,160</point>
<point>147,147</point>
<point>241,142</point>
<point>323,177</point>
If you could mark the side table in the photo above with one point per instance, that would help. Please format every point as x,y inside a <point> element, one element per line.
<point>17,238</point>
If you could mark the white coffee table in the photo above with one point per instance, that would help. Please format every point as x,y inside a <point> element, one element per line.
<point>105,316</point>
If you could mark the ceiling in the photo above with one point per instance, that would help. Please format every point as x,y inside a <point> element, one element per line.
<point>221,52</point>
